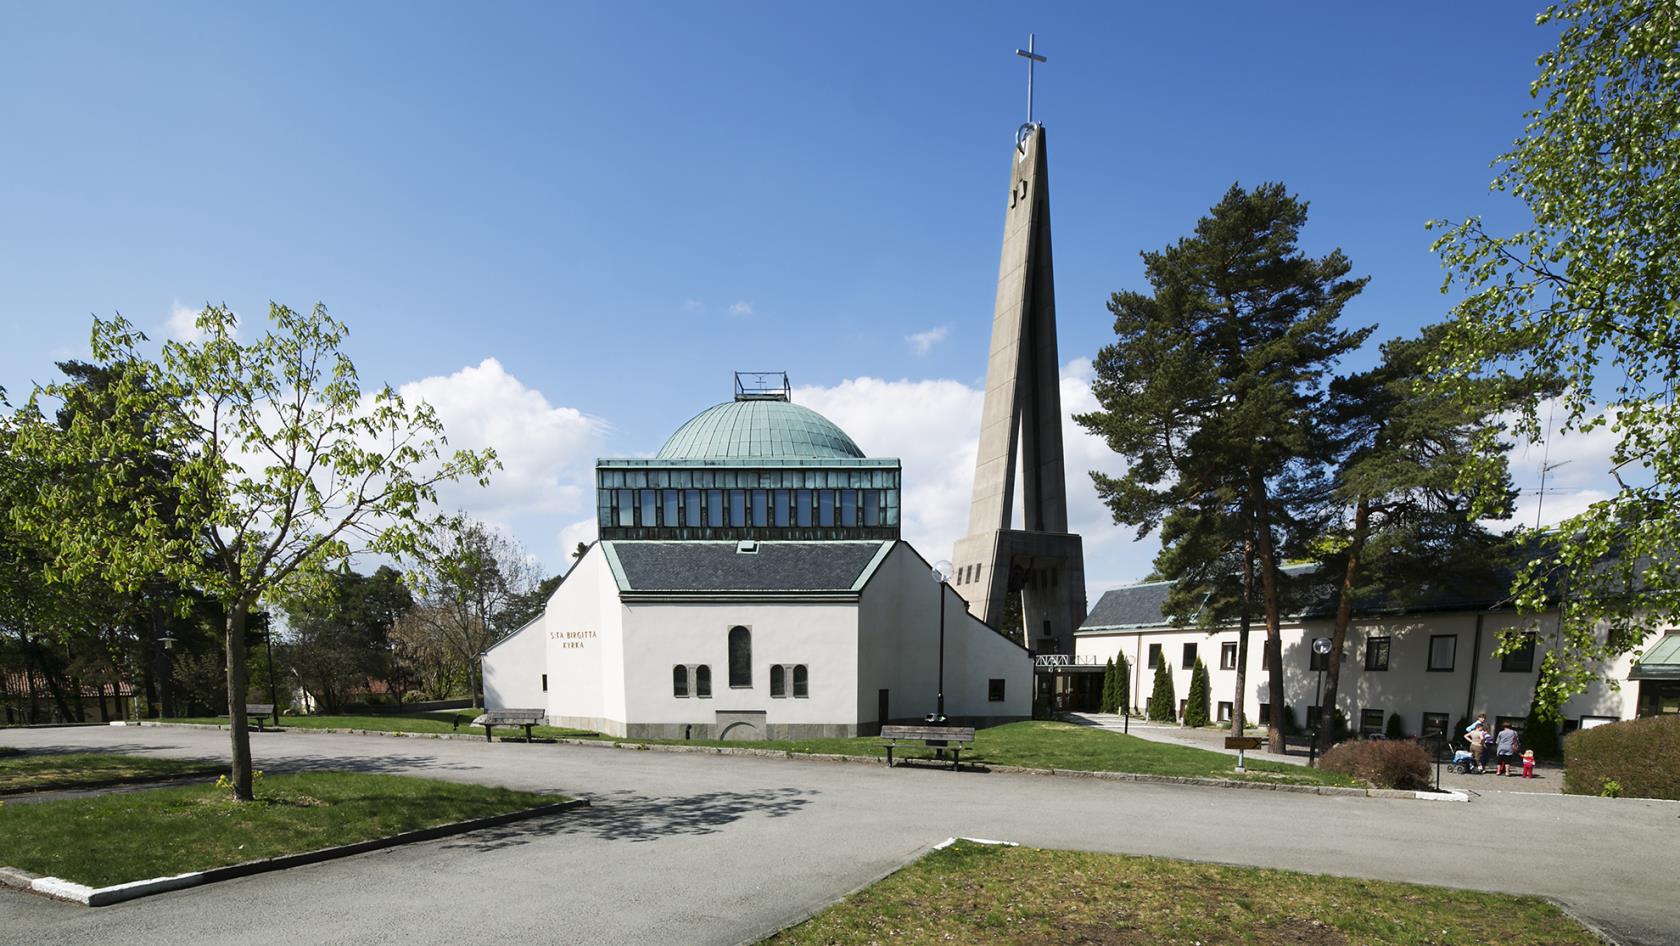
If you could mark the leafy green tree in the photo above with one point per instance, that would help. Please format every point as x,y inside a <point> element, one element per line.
<point>1400,498</point>
<point>1540,732</point>
<point>340,633</point>
<point>473,581</point>
<point>281,465</point>
<point>1212,390</point>
<point>1587,294</point>
<point>1107,703</point>
<point>1163,701</point>
<point>1196,702</point>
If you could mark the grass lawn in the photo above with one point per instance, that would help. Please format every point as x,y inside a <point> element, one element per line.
<point>116,838</point>
<point>437,721</point>
<point>32,772</point>
<point>971,894</point>
<point>1051,745</point>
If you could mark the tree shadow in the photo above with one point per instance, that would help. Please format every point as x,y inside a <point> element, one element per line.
<point>104,749</point>
<point>624,816</point>
<point>376,765</point>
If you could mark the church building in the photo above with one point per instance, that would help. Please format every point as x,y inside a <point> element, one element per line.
<point>750,582</point>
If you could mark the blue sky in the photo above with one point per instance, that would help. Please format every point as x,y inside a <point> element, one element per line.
<point>567,223</point>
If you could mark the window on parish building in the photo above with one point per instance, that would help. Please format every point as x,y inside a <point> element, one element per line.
<point>703,681</point>
<point>740,657</point>
<point>1224,712</point>
<point>545,683</point>
<point>778,683</point>
<point>1265,714</point>
<point>1376,653</point>
<point>1434,724</point>
<point>1370,721</point>
<point>1228,656</point>
<point>1189,656</point>
<point>1443,652</point>
<point>1314,713</point>
<point>994,690</point>
<point>1265,656</point>
<point>1154,655</point>
<point>801,682</point>
<point>1316,660</point>
<point>679,680</point>
<point>1520,660</point>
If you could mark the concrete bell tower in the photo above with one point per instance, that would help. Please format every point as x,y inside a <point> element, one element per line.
<point>1041,564</point>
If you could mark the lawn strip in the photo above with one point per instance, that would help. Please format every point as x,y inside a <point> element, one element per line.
<point>434,722</point>
<point>970,893</point>
<point>130,836</point>
<point>44,771</point>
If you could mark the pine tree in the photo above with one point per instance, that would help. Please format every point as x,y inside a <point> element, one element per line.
<point>1107,705</point>
<point>1196,706</point>
<point>1214,391</point>
<point>1162,708</point>
<point>1122,684</point>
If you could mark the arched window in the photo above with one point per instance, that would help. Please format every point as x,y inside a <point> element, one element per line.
<point>778,685</point>
<point>679,680</point>
<point>703,681</point>
<point>740,657</point>
<point>801,682</point>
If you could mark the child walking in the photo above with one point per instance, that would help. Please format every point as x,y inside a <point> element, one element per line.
<point>1528,763</point>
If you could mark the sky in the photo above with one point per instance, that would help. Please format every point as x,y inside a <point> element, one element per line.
<point>565,225</point>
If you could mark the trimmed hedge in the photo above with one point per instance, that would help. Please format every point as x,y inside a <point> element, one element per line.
<point>1640,758</point>
<point>1384,763</point>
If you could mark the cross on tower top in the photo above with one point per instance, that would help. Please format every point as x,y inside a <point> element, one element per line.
<point>1032,58</point>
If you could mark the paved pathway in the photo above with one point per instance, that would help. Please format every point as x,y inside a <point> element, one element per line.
<point>715,849</point>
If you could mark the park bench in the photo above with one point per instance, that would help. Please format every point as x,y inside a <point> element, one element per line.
<point>954,738</point>
<point>490,719</point>
<point>260,712</point>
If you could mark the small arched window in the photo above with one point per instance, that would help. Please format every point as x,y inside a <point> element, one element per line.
<point>679,680</point>
<point>778,681</point>
<point>703,681</point>
<point>801,682</point>
<point>740,657</point>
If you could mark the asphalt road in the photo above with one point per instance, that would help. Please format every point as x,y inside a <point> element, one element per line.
<point>688,848</point>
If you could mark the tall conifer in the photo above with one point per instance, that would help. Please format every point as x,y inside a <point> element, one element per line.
<point>1162,702</point>
<point>1196,702</point>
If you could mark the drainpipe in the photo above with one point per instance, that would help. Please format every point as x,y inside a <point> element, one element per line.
<point>1475,662</point>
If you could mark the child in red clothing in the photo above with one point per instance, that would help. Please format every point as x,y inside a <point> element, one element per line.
<point>1528,764</point>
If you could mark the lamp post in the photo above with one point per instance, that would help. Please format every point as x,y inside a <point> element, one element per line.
<point>941,573</point>
<point>268,643</point>
<point>1321,647</point>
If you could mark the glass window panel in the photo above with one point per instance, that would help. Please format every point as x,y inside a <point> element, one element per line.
<point>825,507</point>
<point>1443,651</point>
<point>801,682</point>
<point>691,508</point>
<point>703,680</point>
<point>848,507</point>
<point>714,507</point>
<point>784,508</point>
<point>778,685</point>
<point>649,500</point>
<point>626,507</point>
<point>737,507</point>
<point>740,657</point>
<point>802,506</point>
<point>679,680</point>
<point>668,512</point>
<point>871,507</point>
<point>760,507</point>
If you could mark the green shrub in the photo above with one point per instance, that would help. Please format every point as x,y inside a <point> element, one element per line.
<point>1162,703</point>
<point>1196,704</point>
<point>1122,682</point>
<point>1384,763</point>
<point>1286,720</point>
<point>1396,728</point>
<point>1641,757</point>
<point>1108,702</point>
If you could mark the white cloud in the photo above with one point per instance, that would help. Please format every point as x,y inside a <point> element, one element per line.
<point>741,309</point>
<point>693,305</point>
<point>547,452</point>
<point>933,427</point>
<point>584,530</point>
<point>1578,474</point>
<point>922,342</point>
<point>183,324</point>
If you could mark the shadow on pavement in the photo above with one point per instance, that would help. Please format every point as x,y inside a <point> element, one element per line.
<point>379,765</point>
<point>622,816</point>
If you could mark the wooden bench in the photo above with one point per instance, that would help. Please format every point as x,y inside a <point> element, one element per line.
<point>527,718</point>
<point>954,738</point>
<point>259,712</point>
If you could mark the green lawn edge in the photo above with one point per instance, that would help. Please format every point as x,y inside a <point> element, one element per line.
<point>970,893</point>
<point>47,771</point>
<point>136,835</point>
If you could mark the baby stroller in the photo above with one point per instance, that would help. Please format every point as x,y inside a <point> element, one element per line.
<point>1463,761</point>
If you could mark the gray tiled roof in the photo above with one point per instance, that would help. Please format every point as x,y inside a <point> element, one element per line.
<point>1130,606</point>
<point>717,566</point>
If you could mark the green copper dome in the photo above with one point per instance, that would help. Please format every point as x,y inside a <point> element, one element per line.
<point>758,429</point>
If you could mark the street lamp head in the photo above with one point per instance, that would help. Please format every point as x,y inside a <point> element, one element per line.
<point>1321,646</point>
<point>168,641</point>
<point>943,570</point>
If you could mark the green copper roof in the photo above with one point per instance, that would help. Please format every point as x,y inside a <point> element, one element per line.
<point>758,429</point>
<point>1661,662</point>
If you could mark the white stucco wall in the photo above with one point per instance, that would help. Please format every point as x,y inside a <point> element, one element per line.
<point>898,631</point>
<point>1407,686</point>
<point>513,670</point>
